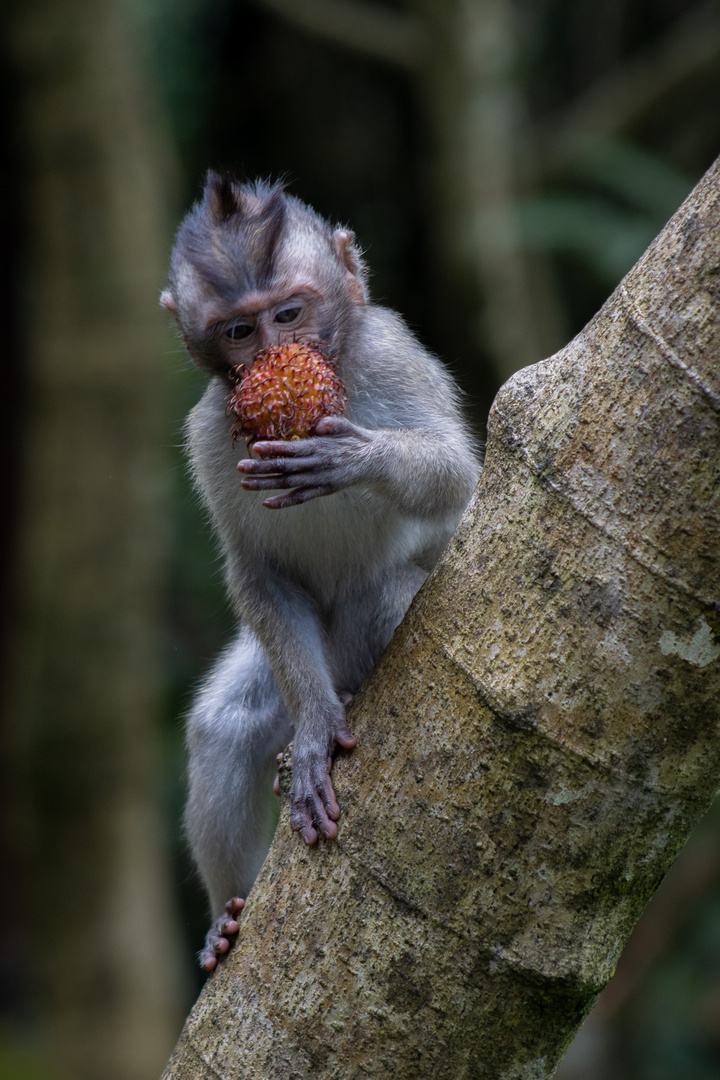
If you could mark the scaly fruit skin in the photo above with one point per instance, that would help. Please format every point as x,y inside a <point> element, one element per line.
<point>284,393</point>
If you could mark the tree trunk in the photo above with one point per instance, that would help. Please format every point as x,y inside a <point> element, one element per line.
<point>538,740</point>
<point>86,675</point>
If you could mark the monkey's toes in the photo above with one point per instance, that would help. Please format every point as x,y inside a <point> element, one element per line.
<point>221,935</point>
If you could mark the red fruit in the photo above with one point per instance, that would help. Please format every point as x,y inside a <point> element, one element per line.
<point>284,393</point>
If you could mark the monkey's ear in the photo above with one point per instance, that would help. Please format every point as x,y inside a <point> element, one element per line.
<point>167,300</point>
<point>347,252</point>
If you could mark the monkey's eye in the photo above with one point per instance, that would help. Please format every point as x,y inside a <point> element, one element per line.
<point>239,331</point>
<point>288,314</point>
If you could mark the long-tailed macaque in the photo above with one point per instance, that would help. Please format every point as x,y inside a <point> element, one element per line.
<point>326,539</point>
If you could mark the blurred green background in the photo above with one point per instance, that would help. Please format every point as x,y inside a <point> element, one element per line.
<point>503,163</point>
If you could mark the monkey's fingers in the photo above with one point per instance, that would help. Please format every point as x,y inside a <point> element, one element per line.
<point>297,496</point>
<point>301,821</point>
<point>280,466</point>
<point>330,804</point>
<point>313,823</point>
<point>315,812</point>
<point>266,483</point>
<point>337,425</point>
<point>278,448</point>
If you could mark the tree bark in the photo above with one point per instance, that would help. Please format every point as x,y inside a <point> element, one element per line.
<point>538,740</point>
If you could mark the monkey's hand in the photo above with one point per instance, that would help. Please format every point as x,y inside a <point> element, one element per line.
<point>313,806</point>
<point>337,456</point>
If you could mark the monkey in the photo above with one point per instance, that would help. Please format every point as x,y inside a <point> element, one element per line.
<point>325,539</point>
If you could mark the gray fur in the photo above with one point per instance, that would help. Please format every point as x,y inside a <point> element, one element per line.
<point>318,587</point>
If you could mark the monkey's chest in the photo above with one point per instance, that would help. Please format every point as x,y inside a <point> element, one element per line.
<point>330,538</point>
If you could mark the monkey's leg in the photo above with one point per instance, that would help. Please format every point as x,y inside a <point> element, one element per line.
<point>235,730</point>
<point>284,618</point>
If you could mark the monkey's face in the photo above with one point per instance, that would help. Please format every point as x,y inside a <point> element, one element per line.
<point>224,332</point>
<point>234,334</point>
<point>264,321</point>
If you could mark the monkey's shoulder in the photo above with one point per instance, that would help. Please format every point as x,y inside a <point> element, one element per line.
<point>209,442</point>
<point>392,376</point>
<point>211,414</point>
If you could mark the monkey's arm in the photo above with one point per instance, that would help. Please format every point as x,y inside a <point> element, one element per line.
<point>287,626</point>
<point>422,473</point>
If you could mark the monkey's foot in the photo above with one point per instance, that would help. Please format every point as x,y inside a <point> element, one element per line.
<point>221,935</point>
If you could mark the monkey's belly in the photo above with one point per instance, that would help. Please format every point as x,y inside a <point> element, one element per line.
<point>332,539</point>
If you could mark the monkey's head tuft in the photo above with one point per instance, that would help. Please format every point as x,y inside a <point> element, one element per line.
<point>222,197</point>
